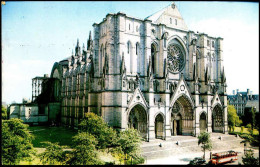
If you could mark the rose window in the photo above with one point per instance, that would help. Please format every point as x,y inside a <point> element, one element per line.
<point>176,59</point>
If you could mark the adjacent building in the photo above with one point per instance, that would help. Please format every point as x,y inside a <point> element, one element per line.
<point>244,101</point>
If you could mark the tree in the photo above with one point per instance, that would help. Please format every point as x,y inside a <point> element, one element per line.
<point>84,152</point>
<point>233,118</point>
<point>95,125</point>
<point>53,154</point>
<point>257,120</point>
<point>253,117</point>
<point>4,113</point>
<point>204,139</point>
<point>250,117</point>
<point>129,140</point>
<point>16,141</point>
<point>249,158</point>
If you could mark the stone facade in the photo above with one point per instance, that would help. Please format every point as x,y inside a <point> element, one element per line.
<point>151,74</point>
<point>29,113</point>
<point>244,101</point>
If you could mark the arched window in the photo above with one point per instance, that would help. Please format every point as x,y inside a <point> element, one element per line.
<point>101,49</point>
<point>105,49</point>
<point>137,48</point>
<point>129,51</point>
<point>129,26</point>
<point>170,20</point>
<point>153,53</point>
<point>176,22</point>
<point>138,58</point>
<point>128,47</point>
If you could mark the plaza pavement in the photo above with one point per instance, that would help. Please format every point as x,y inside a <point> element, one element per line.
<point>187,148</point>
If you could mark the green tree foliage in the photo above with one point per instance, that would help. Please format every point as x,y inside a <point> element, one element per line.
<point>253,117</point>
<point>204,139</point>
<point>53,154</point>
<point>95,125</point>
<point>249,158</point>
<point>130,140</point>
<point>233,119</point>
<point>242,129</point>
<point>250,117</point>
<point>4,113</point>
<point>257,118</point>
<point>84,152</point>
<point>249,126</point>
<point>16,142</point>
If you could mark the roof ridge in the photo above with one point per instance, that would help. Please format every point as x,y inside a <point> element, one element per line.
<point>158,11</point>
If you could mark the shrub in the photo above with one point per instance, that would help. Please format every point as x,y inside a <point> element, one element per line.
<point>53,154</point>
<point>96,126</point>
<point>242,129</point>
<point>84,152</point>
<point>16,142</point>
<point>248,126</point>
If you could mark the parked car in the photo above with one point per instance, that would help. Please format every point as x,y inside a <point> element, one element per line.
<point>197,161</point>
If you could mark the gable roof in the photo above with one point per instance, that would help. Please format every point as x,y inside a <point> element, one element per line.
<point>166,14</point>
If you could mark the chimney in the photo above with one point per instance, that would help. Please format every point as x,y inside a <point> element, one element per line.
<point>237,90</point>
<point>234,92</point>
<point>247,91</point>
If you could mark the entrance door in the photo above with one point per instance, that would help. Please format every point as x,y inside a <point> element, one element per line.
<point>178,127</point>
<point>203,123</point>
<point>138,120</point>
<point>159,126</point>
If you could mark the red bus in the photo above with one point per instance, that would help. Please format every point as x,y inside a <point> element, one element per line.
<point>223,157</point>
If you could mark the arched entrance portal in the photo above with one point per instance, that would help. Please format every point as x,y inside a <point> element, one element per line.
<point>217,119</point>
<point>159,123</point>
<point>138,120</point>
<point>203,122</point>
<point>182,117</point>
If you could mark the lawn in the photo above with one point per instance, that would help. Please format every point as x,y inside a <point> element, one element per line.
<point>61,135</point>
<point>238,129</point>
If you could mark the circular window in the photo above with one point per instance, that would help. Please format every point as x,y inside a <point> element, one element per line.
<point>176,58</point>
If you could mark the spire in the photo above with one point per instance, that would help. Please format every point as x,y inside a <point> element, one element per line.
<point>90,38</point>
<point>90,42</point>
<point>77,42</point>
<point>77,49</point>
<point>83,47</point>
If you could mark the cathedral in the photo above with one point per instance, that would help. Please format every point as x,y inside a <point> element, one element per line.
<point>152,74</point>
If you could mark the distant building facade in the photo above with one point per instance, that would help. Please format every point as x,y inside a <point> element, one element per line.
<point>44,107</point>
<point>244,101</point>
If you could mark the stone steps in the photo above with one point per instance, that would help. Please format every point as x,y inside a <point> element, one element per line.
<point>187,144</point>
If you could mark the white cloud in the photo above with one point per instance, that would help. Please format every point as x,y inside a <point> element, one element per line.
<point>240,51</point>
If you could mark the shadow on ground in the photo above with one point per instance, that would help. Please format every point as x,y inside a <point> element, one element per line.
<point>186,159</point>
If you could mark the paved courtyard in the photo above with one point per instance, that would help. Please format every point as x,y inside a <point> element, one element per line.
<point>187,148</point>
<point>184,159</point>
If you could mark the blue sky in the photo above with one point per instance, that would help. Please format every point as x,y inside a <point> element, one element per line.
<point>35,35</point>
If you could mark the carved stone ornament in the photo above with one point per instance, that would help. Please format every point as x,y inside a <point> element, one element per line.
<point>176,59</point>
